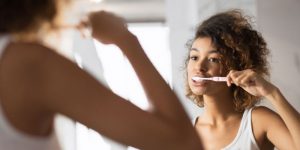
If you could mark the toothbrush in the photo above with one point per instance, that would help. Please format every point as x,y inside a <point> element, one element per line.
<point>217,79</point>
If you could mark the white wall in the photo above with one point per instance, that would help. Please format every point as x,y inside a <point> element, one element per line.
<point>278,20</point>
<point>181,17</point>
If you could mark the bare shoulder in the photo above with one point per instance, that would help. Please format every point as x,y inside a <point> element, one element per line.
<point>264,118</point>
<point>27,53</point>
<point>28,61</point>
<point>24,67</point>
<point>263,114</point>
<point>261,110</point>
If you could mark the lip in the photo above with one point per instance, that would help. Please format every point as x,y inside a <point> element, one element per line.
<point>199,83</point>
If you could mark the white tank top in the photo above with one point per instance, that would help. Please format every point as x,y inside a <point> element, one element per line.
<point>13,139</point>
<point>244,140</point>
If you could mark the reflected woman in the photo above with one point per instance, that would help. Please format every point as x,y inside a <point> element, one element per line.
<point>226,45</point>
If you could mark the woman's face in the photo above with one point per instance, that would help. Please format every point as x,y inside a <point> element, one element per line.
<point>205,61</point>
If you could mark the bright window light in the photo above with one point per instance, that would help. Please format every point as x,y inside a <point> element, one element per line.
<point>96,1</point>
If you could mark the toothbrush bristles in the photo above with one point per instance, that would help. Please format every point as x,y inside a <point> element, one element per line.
<point>212,79</point>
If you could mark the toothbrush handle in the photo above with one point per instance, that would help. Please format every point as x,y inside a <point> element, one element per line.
<point>224,79</point>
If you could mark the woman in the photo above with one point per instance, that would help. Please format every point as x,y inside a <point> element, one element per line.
<point>36,83</point>
<point>226,45</point>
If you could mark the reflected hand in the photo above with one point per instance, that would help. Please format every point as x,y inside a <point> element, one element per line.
<point>251,82</point>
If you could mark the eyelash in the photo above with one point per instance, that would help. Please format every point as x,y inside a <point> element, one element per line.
<point>214,60</point>
<point>193,57</point>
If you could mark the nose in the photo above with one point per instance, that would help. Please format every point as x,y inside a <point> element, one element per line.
<point>201,66</point>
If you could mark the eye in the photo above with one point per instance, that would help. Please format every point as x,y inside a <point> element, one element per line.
<point>214,60</point>
<point>193,58</point>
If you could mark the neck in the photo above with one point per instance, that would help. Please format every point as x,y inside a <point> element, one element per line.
<point>218,107</point>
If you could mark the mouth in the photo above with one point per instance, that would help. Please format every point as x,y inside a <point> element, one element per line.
<point>197,80</point>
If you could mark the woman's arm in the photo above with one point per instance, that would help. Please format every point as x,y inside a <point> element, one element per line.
<point>76,94</point>
<point>110,29</point>
<point>283,130</point>
<point>289,116</point>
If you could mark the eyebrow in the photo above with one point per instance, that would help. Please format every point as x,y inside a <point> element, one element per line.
<point>211,51</point>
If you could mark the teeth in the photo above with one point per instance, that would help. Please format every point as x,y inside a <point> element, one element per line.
<point>217,79</point>
<point>197,78</point>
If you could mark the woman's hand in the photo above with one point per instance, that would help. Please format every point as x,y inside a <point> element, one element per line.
<point>251,82</point>
<point>108,28</point>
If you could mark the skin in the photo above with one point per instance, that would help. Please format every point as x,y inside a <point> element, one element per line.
<point>37,83</point>
<point>219,123</point>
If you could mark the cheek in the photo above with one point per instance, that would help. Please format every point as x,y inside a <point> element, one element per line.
<point>189,67</point>
<point>218,70</point>
<point>223,71</point>
<point>189,70</point>
<point>189,74</point>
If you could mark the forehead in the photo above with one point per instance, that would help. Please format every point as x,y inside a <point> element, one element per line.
<point>203,44</point>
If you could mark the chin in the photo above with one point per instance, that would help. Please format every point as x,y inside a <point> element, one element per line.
<point>198,91</point>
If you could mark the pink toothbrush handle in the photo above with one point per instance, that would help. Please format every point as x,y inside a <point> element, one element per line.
<point>219,79</point>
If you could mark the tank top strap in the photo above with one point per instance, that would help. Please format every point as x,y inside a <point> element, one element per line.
<point>4,40</point>
<point>250,129</point>
<point>244,138</point>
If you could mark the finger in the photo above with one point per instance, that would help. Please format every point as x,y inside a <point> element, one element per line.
<point>83,25</point>
<point>244,78</point>
<point>117,20</point>
<point>229,80</point>
<point>249,79</point>
<point>230,77</point>
<point>123,21</point>
<point>240,77</point>
<point>234,76</point>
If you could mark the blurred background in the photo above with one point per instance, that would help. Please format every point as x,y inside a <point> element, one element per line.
<point>163,28</point>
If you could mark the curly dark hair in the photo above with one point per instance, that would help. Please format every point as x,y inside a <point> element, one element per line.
<point>25,15</point>
<point>241,46</point>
